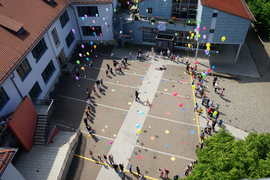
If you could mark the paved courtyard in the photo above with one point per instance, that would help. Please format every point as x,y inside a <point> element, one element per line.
<point>168,135</point>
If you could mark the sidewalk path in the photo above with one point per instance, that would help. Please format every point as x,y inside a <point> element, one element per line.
<point>126,139</point>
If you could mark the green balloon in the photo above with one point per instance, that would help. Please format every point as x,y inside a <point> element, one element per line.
<point>200,21</point>
<point>136,5</point>
<point>176,34</point>
<point>203,75</point>
<point>114,10</point>
<point>195,36</point>
<point>78,62</point>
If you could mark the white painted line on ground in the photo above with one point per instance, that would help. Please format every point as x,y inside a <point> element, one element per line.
<point>113,70</point>
<point>93,103</point>
<point>168,154</point>
<point>106,82</point>
<point>169,94</point>
<point>177,81</point>
<point>179,122</point>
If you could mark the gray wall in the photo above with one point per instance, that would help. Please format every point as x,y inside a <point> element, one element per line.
<point>234,28</point>
<point>159,8</point>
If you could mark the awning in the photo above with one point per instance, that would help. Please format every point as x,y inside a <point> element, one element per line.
<point>165,37</point>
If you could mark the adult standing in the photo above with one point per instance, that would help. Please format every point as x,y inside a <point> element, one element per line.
<point>138,170</point>
<point>105,158</point>
<point>160,173</point>
<point>136,95</point>
<point>111,158</point>
<point>214,122</point>
<point>130,168</point>
<point>97,82</point>
<point>108,66</point>
<point>121,166</point>
<point>166,173</point>
<point>91,153</point>
<point>168,53</point>
<point>216,86</point>
<point>187,68</point>
<point>214,80</point>
<point>101,81</point>
<point>115,166</point>
<point>85,121</point>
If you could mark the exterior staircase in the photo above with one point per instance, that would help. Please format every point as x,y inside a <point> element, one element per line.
<point>42,129</point>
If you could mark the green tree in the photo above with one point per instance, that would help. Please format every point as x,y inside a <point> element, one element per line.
<point>225,158</point>
<point>261,11</point>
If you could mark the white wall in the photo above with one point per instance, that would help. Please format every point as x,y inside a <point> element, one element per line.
<point>11,173</point>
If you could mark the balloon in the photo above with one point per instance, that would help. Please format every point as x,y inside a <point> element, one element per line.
<point>188,37</point>
<point>195,36</point>
<point>189,45</point>
<point>139,131</point>
<point>94,21</point>
<point>209,69</point>
<point>214,115</point>
<point>193,77</point>
<point>82,46</point>
<point>111,142</point>
<point>107,9</point>
<point>130,31</point>
<point>215,112</point>
<point>207,54</point>
<point>87,53</point>
<point>208,45</point>
<point>213,67</point>
<point>103,18</point>
<point>198,29</point>
<point>96,15</point>
<point>190,32</point>
<point>175,94</point>
<point>206,73</point>
<point>180,104</point>
<point>208,48</point>
<point>106,24</point>
<point>128,2</point>
<point>195,30</point>
<point>94,33</point>
<point>103,130</point>
<point>95,46</point>
<point>113,10</point>
<point>193,86</point>
<point>91,43</point>
<point>206,51</point>
<point>185,44</point>
<point>137,125</point>
<point>203,75</point>
<point>191,37</point>
<point>189,22</point>
<point>89,135</point>
<point>204,36</point>
<point>77,78</point>
<point>78,62</point>
<point>83,18</point>
<point>87,59</point>
<point>83,68</point>
<point>199,35</point>
<point>136,5</point>
<point>153,23</point>
<point>73,30</point>
<point>198,83</point>
<point>196,62</point>
<point>200,21</point>
<point>223,38</point>
<point>204,28</point>
<point>175,34</point>
<point>80,54</point>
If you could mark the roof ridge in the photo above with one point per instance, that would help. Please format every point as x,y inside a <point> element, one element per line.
<point>247,10</point>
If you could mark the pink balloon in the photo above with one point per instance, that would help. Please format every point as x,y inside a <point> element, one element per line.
<point>77,78</point>
<point>180,104</point>
<point>105,24</point>
<point>100,34</point>
<point>94,21</point>
<point>198,83</point>
<point>130,31</point>
<point>196,62</point>
<point>198,29</point>
<point>110,142</point>
<point>193,77</point>
<point>93,28</point>
<point>80,54</point>
<point>204,36</point>
<point>175,94</point>
<point>204,28</point>
<point>209,69</point>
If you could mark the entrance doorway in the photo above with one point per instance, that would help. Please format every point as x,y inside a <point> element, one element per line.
<point>61,59</point>
<point>164,42</point>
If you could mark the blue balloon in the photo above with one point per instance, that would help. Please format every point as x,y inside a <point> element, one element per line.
<point>91,43</point>
<point>83,18</point>
<point>137,125</point>
<point>94,33</point>
<point>213,67</point>
<point>87,59</point>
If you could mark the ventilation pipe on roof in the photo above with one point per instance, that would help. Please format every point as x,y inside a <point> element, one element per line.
<point>16,85</point>
<point>77,23</point>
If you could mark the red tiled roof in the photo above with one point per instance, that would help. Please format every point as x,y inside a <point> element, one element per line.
<point>5,157</point>
<point>37,16</point>
<point>10,23</point>
<point>235,7</point>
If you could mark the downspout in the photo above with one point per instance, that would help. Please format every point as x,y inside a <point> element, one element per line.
<point>77,23</point>
<point>16,85</point>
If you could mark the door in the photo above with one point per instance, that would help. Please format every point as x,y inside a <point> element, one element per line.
<point>61,59</point>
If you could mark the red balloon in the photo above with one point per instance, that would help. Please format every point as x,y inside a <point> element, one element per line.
<point>209,69</point>
<point>196,62</point>
<point>180,104</point>
<point>175,94</point>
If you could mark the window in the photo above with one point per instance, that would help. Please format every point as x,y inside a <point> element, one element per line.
<point>89,31</point>
<point>184,11</point>
<point>149,10</point>
<point>23,69</point>
<point>69,38</point>
<point>39,49</point>
<point>214,14</point>
<point>3,98</point>
<point>55,37</point>
<point>35,91</point>
<point>64,19</point>
<point>88,10</point>
<point>48,71</point>
<point>211,31</point>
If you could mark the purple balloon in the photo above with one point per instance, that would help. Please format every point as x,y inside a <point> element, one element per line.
<point>206,73</point>
<point>206,51</point>
<point>85,16</point>
<point>73,30</point>
<point>77,78</point>
<point>82,46</point>
<point>80,54</point>
<point>204,36</point>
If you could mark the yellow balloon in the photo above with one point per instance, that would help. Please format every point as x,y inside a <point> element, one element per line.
<point>139,131</point>
<point>208,48</point>
<point>153,23</point>
<point>189,45</point>
<point>192,34</point>
<point>223,38</point>
<point>199,35</point>
<point>208,45</point>
<point>193,86</point>
<point>87,53</point>
<point>215,112</point>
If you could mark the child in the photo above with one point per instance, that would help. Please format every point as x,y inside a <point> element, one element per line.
<point>154,56</point>
<point>101,81</point>
<point>94,89</point>
<point>106,72</point>
<point>99,158</point>
<point>173,57</point>
<point>111,71</point>
<point>220,122</point>
<point>196,107</point>
<point>161,54</point>
<point>200,110</point>
<point>130,55</point>
<point>160,173</point>
<point>99,87</point>
<point>177,58</point>
<point>91,153</point>
<point>195,91</point>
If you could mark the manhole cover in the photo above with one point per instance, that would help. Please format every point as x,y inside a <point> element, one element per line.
<point>187,97</point>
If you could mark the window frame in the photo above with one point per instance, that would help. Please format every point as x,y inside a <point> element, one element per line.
<point>64,18</point>
<point>215,15</point>
<point>4,98</point>
<point>48,72</point>
<point>21,69</point>
<point>88,29</point>
<point>82,10</point>
<point>39,50</point>
<point>55,37</point>
<point>70,34</point>
<point>38,90</point>
<point>151,11</point>
<point>211,30</point>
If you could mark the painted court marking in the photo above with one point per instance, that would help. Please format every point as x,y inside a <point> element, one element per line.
<point>179,122</point>
<point>125,72</point>
<point>169,94</point>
